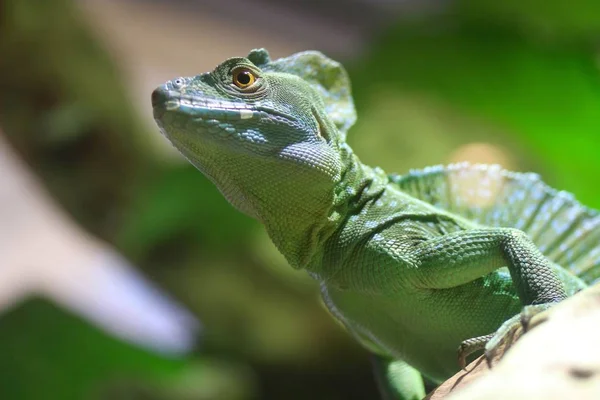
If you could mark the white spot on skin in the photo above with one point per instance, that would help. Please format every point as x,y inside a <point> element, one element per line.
<point>172,105</point>
<point>246,114</point>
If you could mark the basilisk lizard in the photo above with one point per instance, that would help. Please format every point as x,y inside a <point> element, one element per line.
<point>415,266</point>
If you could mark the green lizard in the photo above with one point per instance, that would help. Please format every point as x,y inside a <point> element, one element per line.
<point>414,266</point>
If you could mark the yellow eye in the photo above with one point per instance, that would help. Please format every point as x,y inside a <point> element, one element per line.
<point>243,77</point>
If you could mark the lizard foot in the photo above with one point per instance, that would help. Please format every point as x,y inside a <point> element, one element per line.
<point>511,330</point>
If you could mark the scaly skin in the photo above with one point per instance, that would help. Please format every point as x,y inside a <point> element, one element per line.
<point>412,272</point>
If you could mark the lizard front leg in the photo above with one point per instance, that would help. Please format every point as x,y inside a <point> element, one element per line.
<point>455,259</point>
<point>458,258</point>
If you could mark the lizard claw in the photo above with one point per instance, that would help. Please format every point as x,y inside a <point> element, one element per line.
<point>462,356</point>
<point>488,359</point>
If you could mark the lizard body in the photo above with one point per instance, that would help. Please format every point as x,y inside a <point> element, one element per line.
<point>413,265</point>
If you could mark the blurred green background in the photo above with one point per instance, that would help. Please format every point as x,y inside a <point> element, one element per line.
<point>512,82</point>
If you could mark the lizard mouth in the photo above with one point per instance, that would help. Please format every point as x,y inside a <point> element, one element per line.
<point>164,100</point>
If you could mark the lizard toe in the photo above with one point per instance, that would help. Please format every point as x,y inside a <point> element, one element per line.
<point>511,330</point>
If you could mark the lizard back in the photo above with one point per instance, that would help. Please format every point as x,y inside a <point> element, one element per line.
<point>567,232</point>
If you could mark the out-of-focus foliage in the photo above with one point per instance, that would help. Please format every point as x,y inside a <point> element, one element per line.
<point>48,354</point>
<point>575,21</point>
<point>519,76</point>
<point>63,105</point>
<point>537,92</point>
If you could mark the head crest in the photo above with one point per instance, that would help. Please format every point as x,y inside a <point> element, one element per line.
<point>259,57</point>
<point>327,76</point>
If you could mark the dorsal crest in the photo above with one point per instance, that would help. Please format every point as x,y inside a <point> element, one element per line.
<point>567,232</point>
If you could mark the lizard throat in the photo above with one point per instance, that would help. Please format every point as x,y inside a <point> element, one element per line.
<point>301,227</point>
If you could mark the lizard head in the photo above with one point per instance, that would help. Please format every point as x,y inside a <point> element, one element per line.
<point>262,130</point>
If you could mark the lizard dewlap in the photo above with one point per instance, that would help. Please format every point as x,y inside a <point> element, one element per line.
<point>415,266</point>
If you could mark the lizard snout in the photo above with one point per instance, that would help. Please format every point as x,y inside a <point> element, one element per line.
<point>159,96</point>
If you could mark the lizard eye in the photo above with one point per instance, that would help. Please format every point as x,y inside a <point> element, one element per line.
<point>178,83</point>
<point>243,78</point>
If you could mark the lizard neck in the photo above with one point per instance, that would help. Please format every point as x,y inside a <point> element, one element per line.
<point>358,185</point>
<point>301,225</point>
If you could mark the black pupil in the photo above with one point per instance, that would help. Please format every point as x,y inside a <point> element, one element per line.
<point>244,77</point>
